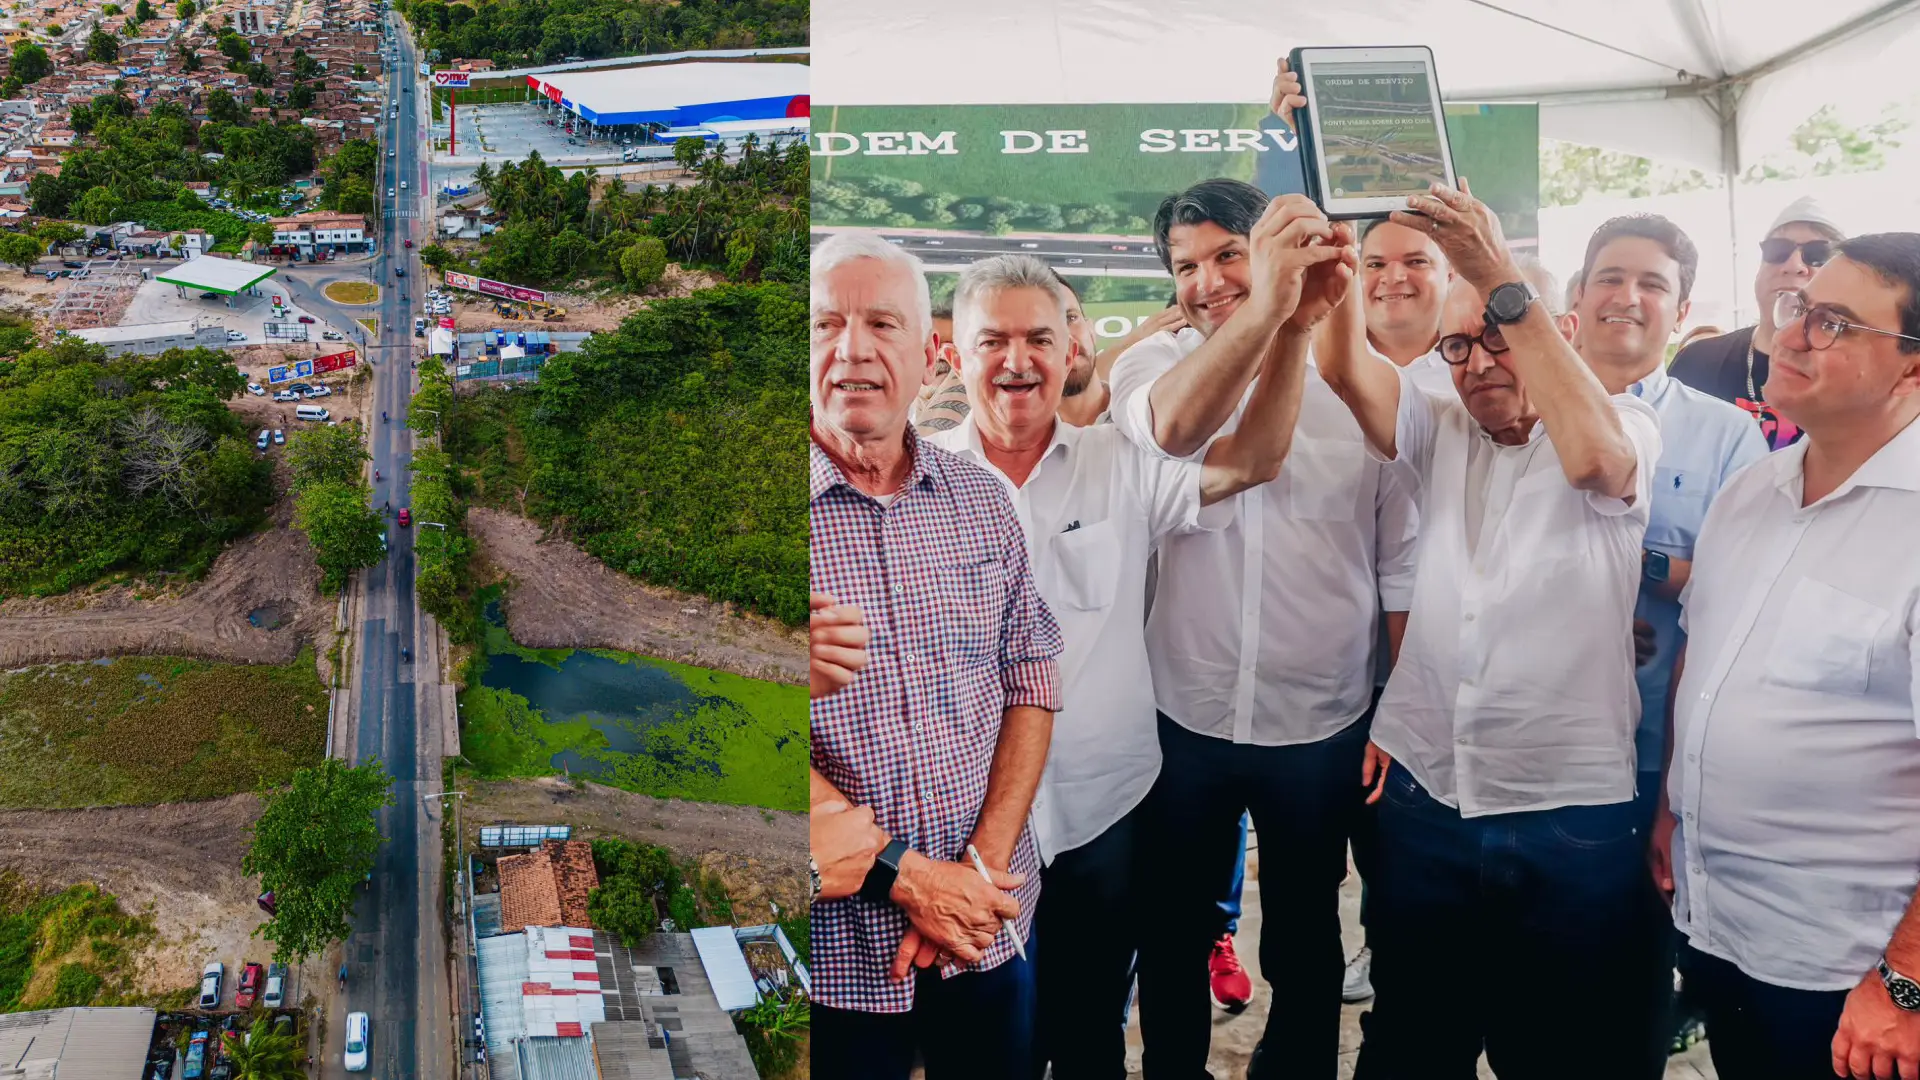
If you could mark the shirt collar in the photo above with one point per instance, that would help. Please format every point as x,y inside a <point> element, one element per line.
<point>824,473</point>
<point>1651,388</point>
<point>1064,437</point>
<point>1895,465</point>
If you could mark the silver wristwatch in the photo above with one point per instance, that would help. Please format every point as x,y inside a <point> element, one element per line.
<point>813,876</point>
<point>1904,991</point>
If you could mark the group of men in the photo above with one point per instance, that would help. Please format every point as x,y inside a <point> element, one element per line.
<point>1651,690</point>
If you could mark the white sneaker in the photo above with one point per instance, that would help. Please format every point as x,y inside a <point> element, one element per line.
<point>1358,985</point>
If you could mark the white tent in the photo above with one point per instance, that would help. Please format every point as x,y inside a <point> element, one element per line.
<point>1697,82</point>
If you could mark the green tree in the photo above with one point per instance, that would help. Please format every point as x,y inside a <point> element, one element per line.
<point>223,109</point>
<point>436,256</point>
<point>1826,145</point>
<point>143,12</point>
<point>22,250</point>
<point>643,264</point>
<point>326,455</point>
<point>261,233</point>
<point>235,48</point>
<point>359,71</point>
<point>688,150</point>
<point>30,62</point>
<point>185,9</point>
<point>110,10</point>
<point>266,1054</point>
<point>622,907</point>
<point>58,233</point>
<point>301,96</point>
<point>189,60</point>
<point>102,47</point>
<point>312,846</point>
<point>1570,173</point>
<point>343,529</point>
<point>98,206</point>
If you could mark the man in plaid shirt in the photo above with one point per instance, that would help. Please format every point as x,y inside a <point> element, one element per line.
<point>945,733</point>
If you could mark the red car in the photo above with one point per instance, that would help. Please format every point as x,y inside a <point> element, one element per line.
<point>249,986</point>
<point>306,318</point>
<point>409,243</point>
<point>406,517</point>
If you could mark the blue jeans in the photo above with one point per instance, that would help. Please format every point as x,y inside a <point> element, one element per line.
<point>1303,800</point>
<point>1759,1031</point>
<point>1230,904</point>
<point>977,1024</point>
<point>1533,936</point>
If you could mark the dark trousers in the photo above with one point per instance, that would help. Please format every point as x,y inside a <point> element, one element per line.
<point>1303,800</point>
<point>1759,1031</point>
<point>1087,914</point>
<point>1529,935</point>
<point>974,1025</point>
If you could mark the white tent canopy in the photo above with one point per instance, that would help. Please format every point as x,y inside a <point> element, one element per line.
<point>1708,83</point>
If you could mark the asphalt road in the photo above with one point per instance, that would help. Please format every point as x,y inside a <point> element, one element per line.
<point>396,956</point>
<point>1083,256</point>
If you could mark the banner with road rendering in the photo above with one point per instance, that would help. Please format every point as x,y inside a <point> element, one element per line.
<point>493,288</point>
<point>1078,184</point>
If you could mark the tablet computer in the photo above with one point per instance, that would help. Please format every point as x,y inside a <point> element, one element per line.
<point>1373,132</point>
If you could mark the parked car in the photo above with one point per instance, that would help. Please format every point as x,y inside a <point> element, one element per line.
<point>383,543</point>
<point>357,1034</point>
<point>209,296</point>
<point>249,989</point>
<point>210,977</point>
<point>282,1024</point>
<point>300,386</point>
<point>72,265</point>
<point>319,392</point>
<point>406,517</point>
<point>332,335</point>
<point>256,389</point>
<point>236,335</point>
<point>261,442</point>
<point>279,437</point>
<point>196,1065</point>
<point>276,988</point>
<point>286,395</point>
<point>307,319</point>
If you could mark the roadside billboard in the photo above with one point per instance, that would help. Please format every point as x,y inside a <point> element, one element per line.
<point>285,331</point>
<point>335,361</point>
<point>300,369</point>
<point>501,289</point>
<point>451,80</point>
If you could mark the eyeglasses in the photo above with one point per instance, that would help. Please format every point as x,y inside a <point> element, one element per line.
<point>1455,349</point>
<point>1819,322</point>
<point>1778,249</point>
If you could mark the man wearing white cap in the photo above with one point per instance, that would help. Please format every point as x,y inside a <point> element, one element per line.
<point>1733,367</point>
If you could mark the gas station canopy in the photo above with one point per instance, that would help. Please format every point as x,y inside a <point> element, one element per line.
<point>229,277</point>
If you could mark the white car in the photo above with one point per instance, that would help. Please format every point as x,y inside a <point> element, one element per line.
<point>356,1057</point>
<point>403,185</point>
<point>332,335</point>
<point>319,392</point>
<point>279,437</point>
<point>256,389</point>
<point>286,395</point>
<point>389,193</point>
<point>236,335</point>
<point>389,151</point>
<point>211,975</point>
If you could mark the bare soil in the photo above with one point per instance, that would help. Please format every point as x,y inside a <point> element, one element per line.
<point>180,862</point>
<point>561,597</point>
<point>760,854</point>
<point>206,619</point>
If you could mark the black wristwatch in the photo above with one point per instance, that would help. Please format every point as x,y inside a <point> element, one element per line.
<point>1904,991</point>
<point>1655,566</point>
<point>878,886</point>
<point>1507,304</point>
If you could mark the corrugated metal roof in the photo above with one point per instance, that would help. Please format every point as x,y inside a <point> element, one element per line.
<point>92,1044</point>
<point>726,967</point>
<point>622,1052</point>
<point>503,972</point>
<point>557,1059</point>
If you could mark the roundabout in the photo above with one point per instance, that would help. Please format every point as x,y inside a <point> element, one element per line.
<point>352,292</point>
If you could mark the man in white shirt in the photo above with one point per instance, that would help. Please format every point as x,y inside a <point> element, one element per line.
<point>1507,847</point>
<point>1261,643</point>
<point>1405,280</point>
<point>1792,843</point>
<point>1094,507</point>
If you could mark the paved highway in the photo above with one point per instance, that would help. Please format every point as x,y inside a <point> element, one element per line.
<point>956,250</point>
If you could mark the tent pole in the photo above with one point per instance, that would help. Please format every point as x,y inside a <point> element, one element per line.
<point>1726,101</point>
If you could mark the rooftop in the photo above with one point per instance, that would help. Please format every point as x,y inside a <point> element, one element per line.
<point>117,335</point>
<point>675,93</point>
<point>228,276</point>
<point>99,1044</point>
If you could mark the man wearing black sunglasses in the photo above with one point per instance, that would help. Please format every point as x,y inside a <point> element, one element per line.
<point>1734,367</point>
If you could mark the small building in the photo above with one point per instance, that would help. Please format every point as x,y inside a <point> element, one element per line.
<point>228,277</point>
<point>322,231</point>
<point>150,339</point>
<point>99,1044</point>
<point>547,886</point>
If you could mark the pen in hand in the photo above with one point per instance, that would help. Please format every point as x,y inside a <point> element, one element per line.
<point>1013,931</point>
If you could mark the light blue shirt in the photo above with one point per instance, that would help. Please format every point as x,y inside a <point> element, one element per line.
<point>1704,441</point>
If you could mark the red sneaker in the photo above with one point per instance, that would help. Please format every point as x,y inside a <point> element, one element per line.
<point>1228,980</point>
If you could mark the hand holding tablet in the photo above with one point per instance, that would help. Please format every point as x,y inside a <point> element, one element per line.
<point>1373,132</point>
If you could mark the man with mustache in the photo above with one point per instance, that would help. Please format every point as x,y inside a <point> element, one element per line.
<point>1508,842</point>
<point>1261,643</point>
<point>1733,367</point>
<point>1094,507</point>
<point>1791,823</point>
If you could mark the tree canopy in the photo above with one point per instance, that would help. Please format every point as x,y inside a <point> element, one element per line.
<point>312,847</point>
<point>508,31</point>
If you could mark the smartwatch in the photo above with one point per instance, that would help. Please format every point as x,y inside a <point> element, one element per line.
<point>1904,991</point>
<point>878,887</point>
<point>1655,566</point>
<point>813,878</point>
<point>1507,304</point>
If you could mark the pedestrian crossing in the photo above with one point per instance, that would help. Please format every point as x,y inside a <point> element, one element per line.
<point>403,213</point>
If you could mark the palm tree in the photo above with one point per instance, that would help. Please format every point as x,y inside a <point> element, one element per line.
<point>266,1055</point>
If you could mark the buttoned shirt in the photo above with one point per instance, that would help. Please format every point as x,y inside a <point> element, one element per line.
<point>1703,442</point>
<point>1432,373</point>
<point>1514,689</point>
<point>1796,762</point>
<point>1263,631</point>
<point>958,635</point>
<point>1093,510</point>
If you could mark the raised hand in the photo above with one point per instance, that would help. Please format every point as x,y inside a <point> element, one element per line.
<point>1291,236</point>
<point>1466,231</point>
<point>1327,282</point>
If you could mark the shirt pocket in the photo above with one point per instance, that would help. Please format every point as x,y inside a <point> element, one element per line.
<point>1679,505</point>
<point>975,606</point>
<point>1323,478</point>
<point>1087,565</point>
<point>1825,640</point>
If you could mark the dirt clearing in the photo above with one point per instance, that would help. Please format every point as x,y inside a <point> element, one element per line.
<point>179,861</point>
<point>758,853</point>
<point>205,619</point>
<point>560,597</point>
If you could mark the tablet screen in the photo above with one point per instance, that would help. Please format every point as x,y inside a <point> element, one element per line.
<point>1379,129</point>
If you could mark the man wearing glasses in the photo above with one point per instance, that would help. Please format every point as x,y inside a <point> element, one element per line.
<point>1794,781</point>
<point>1508,847</point>
<point>1733,367</point>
